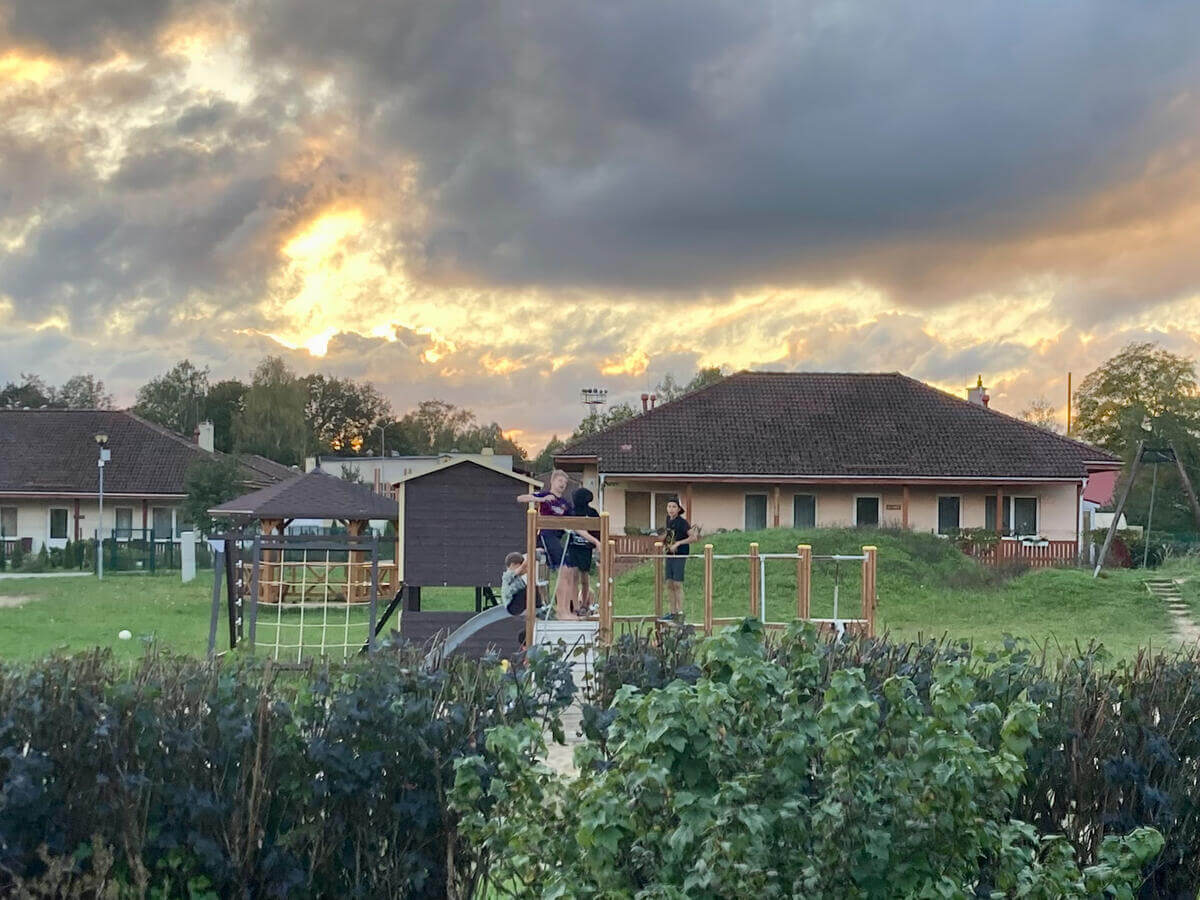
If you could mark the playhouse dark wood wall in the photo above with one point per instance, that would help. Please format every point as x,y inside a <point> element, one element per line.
<point>459,524</point>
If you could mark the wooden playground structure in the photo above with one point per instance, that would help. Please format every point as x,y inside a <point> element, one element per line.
<point>609,558</point>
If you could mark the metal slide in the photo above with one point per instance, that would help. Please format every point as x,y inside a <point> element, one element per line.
<point>490,616</point>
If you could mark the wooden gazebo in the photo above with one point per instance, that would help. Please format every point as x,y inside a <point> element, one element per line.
<point>314,495</point>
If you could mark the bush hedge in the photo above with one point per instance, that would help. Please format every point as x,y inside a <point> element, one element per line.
<point>184,778</point>
<point>1118,742</point>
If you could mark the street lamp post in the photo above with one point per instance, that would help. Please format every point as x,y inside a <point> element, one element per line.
<point>105,456</point>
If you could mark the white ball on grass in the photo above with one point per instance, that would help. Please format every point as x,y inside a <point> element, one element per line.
<point>125,634</point>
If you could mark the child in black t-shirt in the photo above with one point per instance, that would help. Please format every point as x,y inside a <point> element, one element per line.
<point>580,545</point>
<point>677,537</point>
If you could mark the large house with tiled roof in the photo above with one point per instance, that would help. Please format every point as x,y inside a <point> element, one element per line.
<point>805,449</point>
<point>49,478</point>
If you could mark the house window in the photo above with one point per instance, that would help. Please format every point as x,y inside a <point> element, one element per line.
<point>637,510</point>
<point>1025,515</point>
<point>804,511</point>
<point>58,524</point>
<point>756,512</point>
<point>124,530</point>
<point>8,521</point>
<point>163,527</point>
<point>660,508</point>
<point>866,511</point>
<point>1020,515</point>
<point>949,510</point>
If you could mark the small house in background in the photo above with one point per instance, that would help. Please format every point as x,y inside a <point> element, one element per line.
<point>457,521</point>
<point>381,472</point>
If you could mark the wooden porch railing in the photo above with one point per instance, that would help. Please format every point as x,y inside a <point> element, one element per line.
<point>1041,555</point>
<point>10,544</point>
<point>640,544</point>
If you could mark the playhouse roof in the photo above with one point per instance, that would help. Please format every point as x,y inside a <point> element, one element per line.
<point>467,461</point>
<point>841,425</point>
<point>314,495</point>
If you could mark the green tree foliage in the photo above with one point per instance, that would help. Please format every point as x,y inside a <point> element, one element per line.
<point>773,778</point>
<point>596,421</point>
<point>176,399</point>
<point>222,403</point>
<point>31,392</point>
<point>1042,413</point>
<point>83,392</point>
<point>272,419</point>
<point>341,412</point>
<point>1146,393</point>
<point>544,461</point>
<point>670,389</point>
<point>209,482</point>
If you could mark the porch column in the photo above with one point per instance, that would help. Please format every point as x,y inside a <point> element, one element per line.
<point>775,505</point>
<point>145,512</point>
<point>687,502</point>
<point>904,508</point>
<point>77,518</point>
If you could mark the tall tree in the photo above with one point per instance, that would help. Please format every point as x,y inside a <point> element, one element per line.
<point>175,399</point>
<point>30,392</point>
<point>209,482</point>
<point>598,421</point>
<point>341,411</point>
<point>271,421</point>
<point>437,425</point>
<point>221,405</point>
<point>83,392</point>
<point>544,461</point>
<point>1146,393</point>
<point>670,389</point>
<point>1042,413</point>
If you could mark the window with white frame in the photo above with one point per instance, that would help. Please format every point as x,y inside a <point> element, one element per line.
<point>949,514</point>
<point>124,523</point>
<point>59,519</point>
<point>162,524</point>
<point>8,521</point>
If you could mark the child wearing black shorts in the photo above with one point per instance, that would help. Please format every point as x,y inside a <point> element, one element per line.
<point>580,545</point>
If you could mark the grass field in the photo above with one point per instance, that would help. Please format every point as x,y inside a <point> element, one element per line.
<point>925,586</point>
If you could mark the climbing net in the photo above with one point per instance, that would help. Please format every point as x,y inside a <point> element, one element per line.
<point>300,597</point>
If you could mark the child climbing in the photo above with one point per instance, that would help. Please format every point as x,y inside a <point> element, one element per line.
<point>513,583</point>
<point>580,545</point>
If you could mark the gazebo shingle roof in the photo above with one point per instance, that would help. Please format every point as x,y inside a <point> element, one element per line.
<point>314,495</point>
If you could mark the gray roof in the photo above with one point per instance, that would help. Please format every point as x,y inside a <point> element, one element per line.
<point>314,495</point>
<point>53,451</point>
<point>819,424</point>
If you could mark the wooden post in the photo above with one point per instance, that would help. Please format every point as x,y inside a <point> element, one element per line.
<point>868,588</point>
<point>687,501</point>
<point>1112,529</point>
<point>708,589</point>
<point>604,570</point>
<point>999,512</point>
<point>1187,486</point>
<point>754,584</point>
<point>531,575</point>
<point>658,579</point>
<point>606,609</point>
<point>775,504</point>
<point>803,582</point>
<point>268,591</point>
<point>904,508</point>
<point>356,562</point>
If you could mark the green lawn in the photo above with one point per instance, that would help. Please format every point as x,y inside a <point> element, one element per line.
<point>925,586</point>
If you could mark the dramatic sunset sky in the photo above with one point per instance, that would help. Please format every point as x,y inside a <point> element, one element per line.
<point>498,202</point>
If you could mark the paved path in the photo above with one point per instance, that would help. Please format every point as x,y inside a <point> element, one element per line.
<point>17,576</point>
<point>1167,590</point>
<point>562,758</point>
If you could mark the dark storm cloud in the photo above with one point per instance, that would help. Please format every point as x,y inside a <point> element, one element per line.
<point>675,144</point>
<point>83,27</point>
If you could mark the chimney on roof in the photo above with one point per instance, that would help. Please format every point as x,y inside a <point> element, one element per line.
<point>653,400</point>
<point>645,402</point>
<point>978,394</point>
<point>204,436</point>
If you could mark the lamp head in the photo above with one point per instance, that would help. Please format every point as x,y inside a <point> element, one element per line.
<point>102,439</point>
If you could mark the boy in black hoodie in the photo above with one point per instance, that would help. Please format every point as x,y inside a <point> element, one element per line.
<point>580,546</point>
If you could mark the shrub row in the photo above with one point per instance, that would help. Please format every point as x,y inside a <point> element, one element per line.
<point>1117,743</point>
<point>184,778</point>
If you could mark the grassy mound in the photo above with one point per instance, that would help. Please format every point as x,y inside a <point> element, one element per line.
<point>926,587</point>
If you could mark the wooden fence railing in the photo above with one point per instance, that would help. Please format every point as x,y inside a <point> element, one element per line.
<point>1040,555</point>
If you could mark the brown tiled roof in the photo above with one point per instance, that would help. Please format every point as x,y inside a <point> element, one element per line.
<point>833,424</point>
<point>314,495</point>
<point>53,451</point>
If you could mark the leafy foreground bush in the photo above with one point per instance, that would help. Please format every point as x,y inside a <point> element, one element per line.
<point>1118,745</point>
<point>769,777</point>
<point>183,778</point>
